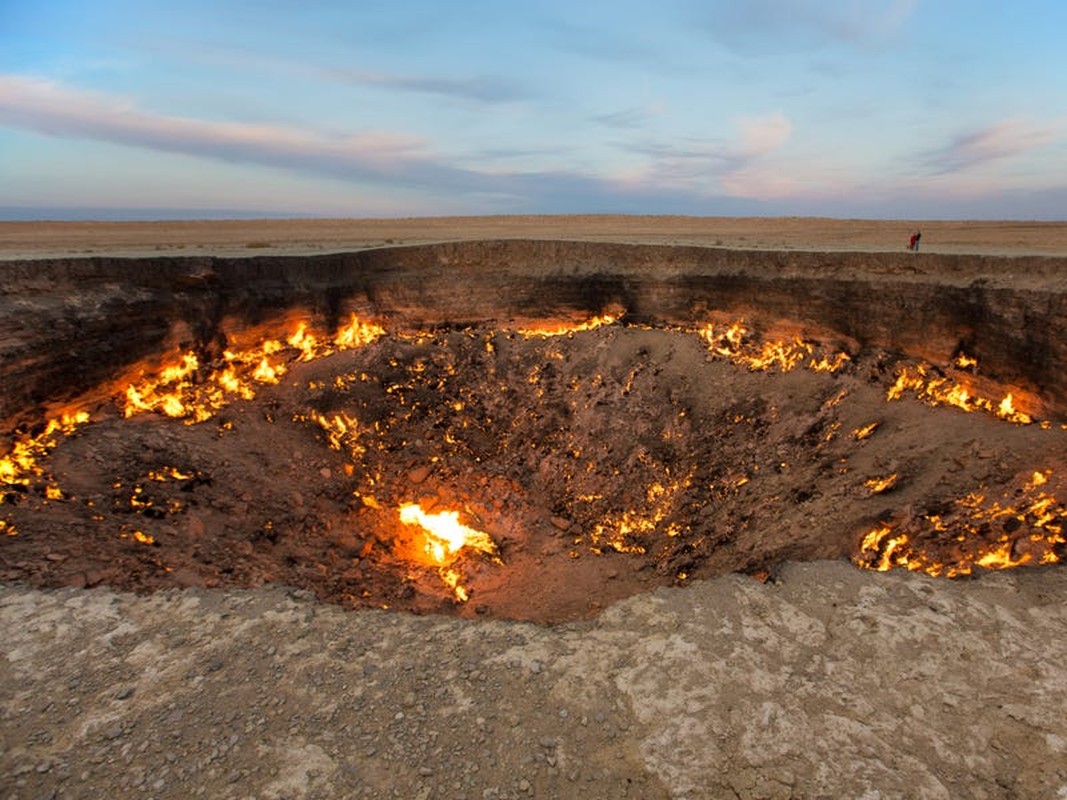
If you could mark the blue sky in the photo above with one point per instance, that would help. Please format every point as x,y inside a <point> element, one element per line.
<point>870,108</point>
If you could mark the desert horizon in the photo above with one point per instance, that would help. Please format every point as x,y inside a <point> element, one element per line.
<point>303,236</point>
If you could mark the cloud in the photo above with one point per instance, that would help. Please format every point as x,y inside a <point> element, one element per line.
<point>379,158</point>
<point>56,110</point>
<point>739,167</point>
<point>480,89</point>
<point>762,26</point>
<point>763,135</point>
<point>1006,139</point>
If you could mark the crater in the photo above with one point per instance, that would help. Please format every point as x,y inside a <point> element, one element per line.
<point>586,421</point>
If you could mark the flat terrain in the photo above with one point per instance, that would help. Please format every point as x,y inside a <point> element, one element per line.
<point>241,237</point>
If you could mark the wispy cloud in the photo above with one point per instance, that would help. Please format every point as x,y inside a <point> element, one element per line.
<point>57,110</point>
<point>737,167</point>
<point>1005,139</point>
<point>628,118</point>
<point>479,89</point>
<point>379,158</point>
<point>759,26</point>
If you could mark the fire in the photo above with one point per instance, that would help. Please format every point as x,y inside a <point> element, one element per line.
<point>195,392</point>
<point>880,485</point>
<point>1033,531</point>
<point>942,391</point>
<point>443,537</point>
<point>733,342</point>
<point>22,463</point>
<point>563,329</point>
<point>624,532</point>
<point>859,434</point>
<point>7,529</point>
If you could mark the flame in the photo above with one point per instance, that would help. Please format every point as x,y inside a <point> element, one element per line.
<point>21,464</point>
<point>880,485</point>
<point>444,535</point>
<point>169,473</point>
<point>622,531</point>
<point>196,392</point>
<point>562,329</point>
<point>859,434</point>
<point>942,391</point>
<point>1034,531</point>
<point>357,333</point>
<point>7,528</point>
<point>733,342</point>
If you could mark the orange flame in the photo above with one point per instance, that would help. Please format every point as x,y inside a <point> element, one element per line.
<point>443,537</point>
<point>20,466</point>
<point>941,391</point>
<point>563,329</point>
<point>734,343</point>
<point>1038,527</point>
<point>195,392</point>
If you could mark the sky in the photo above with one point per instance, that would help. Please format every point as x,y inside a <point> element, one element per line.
<point>910,109</point>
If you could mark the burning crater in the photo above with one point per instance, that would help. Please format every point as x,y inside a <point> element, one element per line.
<point>476,429</point>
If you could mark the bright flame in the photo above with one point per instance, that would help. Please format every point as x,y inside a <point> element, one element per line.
<point>880,485</point>
<point>445,535</point>
<point>563,329</point>
<point>859,434</point>
<point>357,334</point>
<point>143,537</point>
<point>1033,531</point>
<point>195,392</point>
<point>20,466</point>
<point>941,391</point>
<point>734,343</point>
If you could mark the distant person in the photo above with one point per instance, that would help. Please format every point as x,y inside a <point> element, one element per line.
<point>913,242</point>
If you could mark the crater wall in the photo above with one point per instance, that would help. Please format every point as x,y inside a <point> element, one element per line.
<point>69,325</point>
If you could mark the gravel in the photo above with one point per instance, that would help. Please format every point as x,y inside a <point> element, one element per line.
<point>827,681</point>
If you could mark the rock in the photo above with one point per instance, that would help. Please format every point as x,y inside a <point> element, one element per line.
<point>418,475</point>
<point>560,523</point>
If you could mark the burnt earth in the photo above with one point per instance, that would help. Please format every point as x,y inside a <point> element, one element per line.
<point>603,463</point>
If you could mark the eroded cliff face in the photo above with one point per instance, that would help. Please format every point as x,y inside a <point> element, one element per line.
<point>68,327</point>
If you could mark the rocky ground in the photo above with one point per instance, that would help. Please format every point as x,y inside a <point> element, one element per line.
<point>600,463</point>
<point>827,682</point>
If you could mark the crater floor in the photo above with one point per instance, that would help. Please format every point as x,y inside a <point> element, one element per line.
<point>601,463</point>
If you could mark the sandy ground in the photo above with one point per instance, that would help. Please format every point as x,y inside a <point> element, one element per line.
<point>825,681</point>
<point>235,238</point>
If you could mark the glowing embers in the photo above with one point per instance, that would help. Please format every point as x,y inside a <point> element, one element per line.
<point>439,541</point>
<point>938,390</point>
<point>735,343</point>
<point>195,392</point>
<point>563,329</point>
<point>973,531</point>
<point>631,531</point>
<point>22,467</point>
